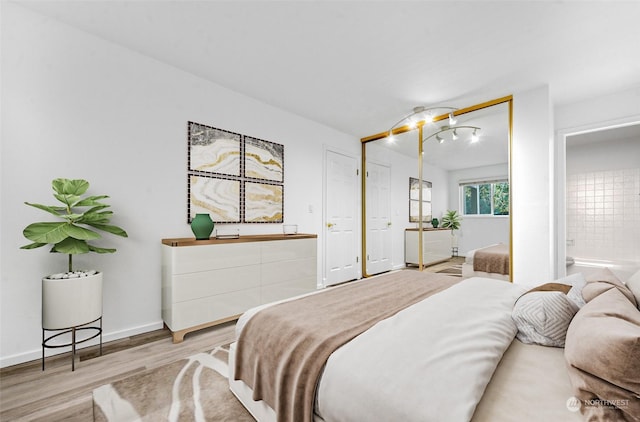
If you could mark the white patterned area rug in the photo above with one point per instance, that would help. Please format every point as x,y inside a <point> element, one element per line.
<point>193,389</point>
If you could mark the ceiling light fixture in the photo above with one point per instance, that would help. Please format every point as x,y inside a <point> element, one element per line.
<point>452,119</point>
<point>421,115</point>
<point>454,129</point>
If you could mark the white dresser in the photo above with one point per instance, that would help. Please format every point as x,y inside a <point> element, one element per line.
<point>209,282</point>
<point>436,246</point>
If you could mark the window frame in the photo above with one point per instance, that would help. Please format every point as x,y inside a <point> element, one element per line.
<point>462,185</point>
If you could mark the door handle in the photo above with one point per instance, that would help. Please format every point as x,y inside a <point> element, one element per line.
<point>329,225</point>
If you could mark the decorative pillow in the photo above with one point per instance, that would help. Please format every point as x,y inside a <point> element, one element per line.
<point>602,281</point>
<point>577,283</point>
<point>542,317</point>
<point>633,284</point>
<point>603,352</point>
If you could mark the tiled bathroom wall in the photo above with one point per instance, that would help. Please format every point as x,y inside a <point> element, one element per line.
<point>603,215</point>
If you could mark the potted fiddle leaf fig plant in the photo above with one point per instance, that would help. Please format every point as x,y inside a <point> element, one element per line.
<point>72,298</point>
<point>451,220</point>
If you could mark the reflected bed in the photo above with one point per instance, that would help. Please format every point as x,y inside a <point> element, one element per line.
<point>490,261</point>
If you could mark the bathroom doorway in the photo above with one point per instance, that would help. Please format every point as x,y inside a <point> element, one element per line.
<point>602,200</point>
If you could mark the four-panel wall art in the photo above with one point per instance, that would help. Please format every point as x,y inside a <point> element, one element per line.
<point>235,178</point>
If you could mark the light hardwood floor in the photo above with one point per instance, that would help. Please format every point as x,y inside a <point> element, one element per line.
<point>29,394</point>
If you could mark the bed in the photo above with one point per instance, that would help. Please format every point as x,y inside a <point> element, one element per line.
<point>450,354</point>
<point>490,261</point>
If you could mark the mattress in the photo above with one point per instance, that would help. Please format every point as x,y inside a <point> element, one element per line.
<point>529,383</point>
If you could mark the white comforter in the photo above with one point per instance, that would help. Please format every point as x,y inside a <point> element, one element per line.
<point>430,362</point>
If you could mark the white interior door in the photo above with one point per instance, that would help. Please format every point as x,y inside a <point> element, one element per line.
<point>341,256</point>
<point>378,214</point>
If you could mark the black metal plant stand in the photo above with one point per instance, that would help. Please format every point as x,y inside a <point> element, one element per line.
<point>74,342</point>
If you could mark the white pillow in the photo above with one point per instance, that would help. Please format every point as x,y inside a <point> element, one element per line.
<point>634,285</point>
<point>543,317</point>
<point>577,283</point>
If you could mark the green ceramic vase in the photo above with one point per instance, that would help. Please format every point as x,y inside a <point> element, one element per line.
<point>435,223</point>
<point>202,226</point>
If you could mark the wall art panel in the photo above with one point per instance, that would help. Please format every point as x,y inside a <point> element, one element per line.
<point>263,159</point>
<point>233,177</point>
<point>214,150</point>
<point>220,198</point>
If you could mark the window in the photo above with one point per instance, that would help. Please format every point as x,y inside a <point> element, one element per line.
<point>485,197</point>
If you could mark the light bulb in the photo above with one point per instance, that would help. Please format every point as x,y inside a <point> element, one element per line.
<point>452,119</point>
<point>439,139</point>
<point>454,136</point>
<point>428,118</point>
<point>474,136</point>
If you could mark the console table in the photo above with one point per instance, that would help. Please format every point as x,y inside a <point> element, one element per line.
<point>209,282</point>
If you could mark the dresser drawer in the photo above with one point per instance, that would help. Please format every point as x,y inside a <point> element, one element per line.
<point>215,282</point>
<point>190,259</point>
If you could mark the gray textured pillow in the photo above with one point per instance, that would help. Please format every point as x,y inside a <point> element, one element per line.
<point>543,318</point>
<point>577,283</point>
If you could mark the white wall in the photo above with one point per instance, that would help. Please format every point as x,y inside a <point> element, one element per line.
<point>76,106</point>
<point>531,187</point>
<point>477,231</point>
<point>610,155</point>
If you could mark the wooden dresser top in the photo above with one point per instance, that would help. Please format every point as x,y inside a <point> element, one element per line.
<point>190,241</point>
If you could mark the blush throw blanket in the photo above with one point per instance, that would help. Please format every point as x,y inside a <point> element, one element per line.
<point>282,349</point>
<point>492,259</point>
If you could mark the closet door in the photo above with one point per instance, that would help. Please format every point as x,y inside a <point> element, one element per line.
<point>378,215</point>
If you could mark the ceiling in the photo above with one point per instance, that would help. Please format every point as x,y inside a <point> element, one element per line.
<point>619,133</point>
<point>358,66</point>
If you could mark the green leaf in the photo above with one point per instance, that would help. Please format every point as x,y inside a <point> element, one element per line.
<point>92,200</point>
<point>81,233</point>
<point>50,209</point>
<point>33,245</point>
<point>100,250</point>
<point>56,232</point>
<point>110,229</point>
<point>46,232</point>
<point>98,208</point>
<point>72,218</point>
<point>70,186</point>
<point>71,246</point>
<point>97,217</point>
<point>69,200</point>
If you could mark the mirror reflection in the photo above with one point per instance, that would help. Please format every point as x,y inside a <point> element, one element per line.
<point>461,175</point>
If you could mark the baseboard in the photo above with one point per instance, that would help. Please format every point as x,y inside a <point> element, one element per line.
<point>106,337</point>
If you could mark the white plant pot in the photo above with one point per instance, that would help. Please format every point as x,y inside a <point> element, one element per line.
<point>71,302</point>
